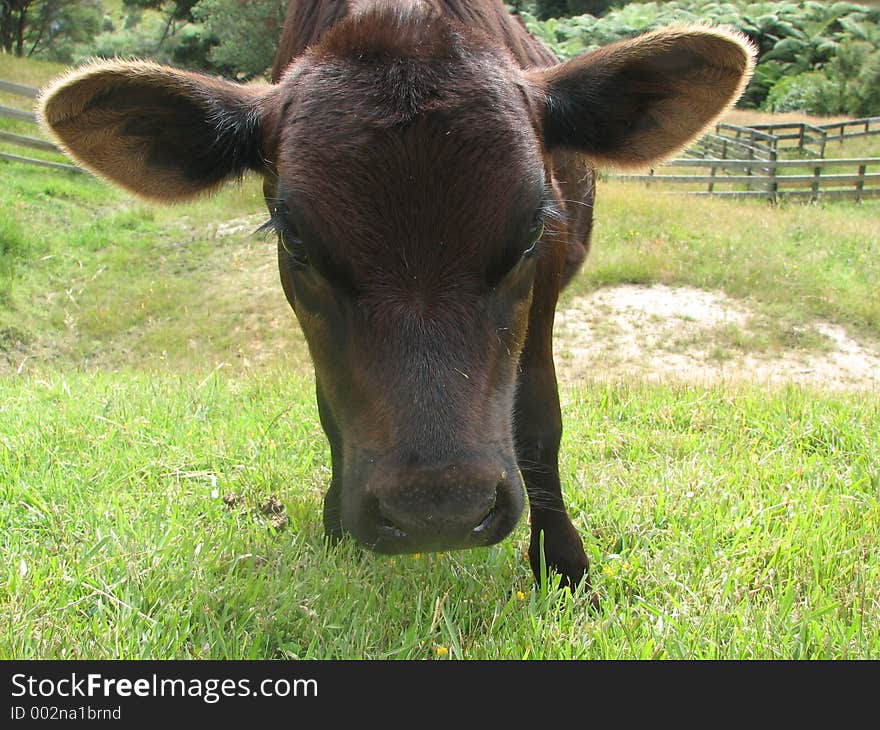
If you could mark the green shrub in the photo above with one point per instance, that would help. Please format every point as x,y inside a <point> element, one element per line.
<point>834,40</point>
<point>865,96</point>
<point>813,93</point>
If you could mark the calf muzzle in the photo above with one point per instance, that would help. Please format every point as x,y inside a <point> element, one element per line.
<point>457,505</point>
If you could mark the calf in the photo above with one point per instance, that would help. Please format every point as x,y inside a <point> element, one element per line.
<point>428,170</point>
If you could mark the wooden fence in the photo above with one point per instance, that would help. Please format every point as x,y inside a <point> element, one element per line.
<point>717,146</point>
<point>19,140</point>
<point>771,179</point>
<point>807,138</point>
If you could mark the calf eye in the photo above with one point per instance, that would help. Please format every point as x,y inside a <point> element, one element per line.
<point>534,237</point>
<point>294,248</point>
<point>291,242</point>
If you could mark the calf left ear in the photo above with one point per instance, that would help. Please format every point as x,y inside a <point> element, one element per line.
<point>159,132</point>
<point>636,102</point>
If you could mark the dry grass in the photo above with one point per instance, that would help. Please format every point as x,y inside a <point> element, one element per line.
<point>747,117</point>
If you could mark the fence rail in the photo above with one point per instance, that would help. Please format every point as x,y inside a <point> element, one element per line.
<point>20,140</point>
<point>32,142</point>
<point>19,89</point>
<point>771,179</point>
<point>40,163</point>
<point>20,115</point>
<point>865,127</point>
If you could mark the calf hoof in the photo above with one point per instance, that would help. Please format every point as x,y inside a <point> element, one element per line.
<point>332,534</point>
<point>332,526</point>
<point>564,555</point>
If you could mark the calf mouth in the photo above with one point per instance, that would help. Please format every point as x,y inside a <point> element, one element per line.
<point>379,532</point>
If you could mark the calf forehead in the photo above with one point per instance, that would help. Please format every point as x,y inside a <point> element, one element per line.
<point>432,182</point>
<point>417,154</point>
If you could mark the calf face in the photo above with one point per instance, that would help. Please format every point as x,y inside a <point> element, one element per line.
<point>409,214</point>
<point>407,164</point>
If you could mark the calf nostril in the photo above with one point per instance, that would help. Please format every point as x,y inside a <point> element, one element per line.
<point>389,527</point>
<point>485,522</point>
<point>489,517</point>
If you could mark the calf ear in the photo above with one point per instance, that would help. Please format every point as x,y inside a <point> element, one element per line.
<point>156,131</point>
<point>636,102</point>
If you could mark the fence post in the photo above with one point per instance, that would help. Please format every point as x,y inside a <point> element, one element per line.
<point>772,184</point>
<point>801,137</point>
<point>712,181</point>
<point>749,169</point>
<point>860,183</point>
<point>814,186</point>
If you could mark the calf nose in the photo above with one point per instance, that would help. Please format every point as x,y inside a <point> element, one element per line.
<point>441,508</point>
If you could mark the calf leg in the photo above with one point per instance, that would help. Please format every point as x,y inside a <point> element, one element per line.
<point>538,428</point>
<point>333,498</point>
<point>538,432</point>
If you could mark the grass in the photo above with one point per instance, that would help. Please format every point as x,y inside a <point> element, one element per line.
<point>720,525</point>
<point>121,282</point>
<point>150,367</point>
<point>758,335</point>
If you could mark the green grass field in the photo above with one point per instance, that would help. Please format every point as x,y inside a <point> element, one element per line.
<point>720,524</point>
<point>162,466</point>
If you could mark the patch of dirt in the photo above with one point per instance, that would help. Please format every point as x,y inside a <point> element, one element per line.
<point>233,501</point>
<point>271,513</point>
<point>663,333</point>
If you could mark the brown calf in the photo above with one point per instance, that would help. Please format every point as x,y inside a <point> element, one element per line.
<point>428,171</point>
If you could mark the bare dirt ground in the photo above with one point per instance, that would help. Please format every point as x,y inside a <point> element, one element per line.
<point>664,333</point>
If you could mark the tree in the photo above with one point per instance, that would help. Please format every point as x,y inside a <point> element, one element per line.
<point>14,24</point>
<point>179,9</point>
<point>544,9</point>
<point>551,9</point>
<point>246,32</point>
<point>34,26</point>
<point>176,12</point>
<point>593,7</point>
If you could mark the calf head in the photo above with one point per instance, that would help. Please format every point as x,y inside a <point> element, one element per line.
<point>407,164</point>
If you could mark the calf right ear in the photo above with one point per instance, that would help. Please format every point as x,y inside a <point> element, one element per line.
<point>159,132</point>
<point>633,103</point>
